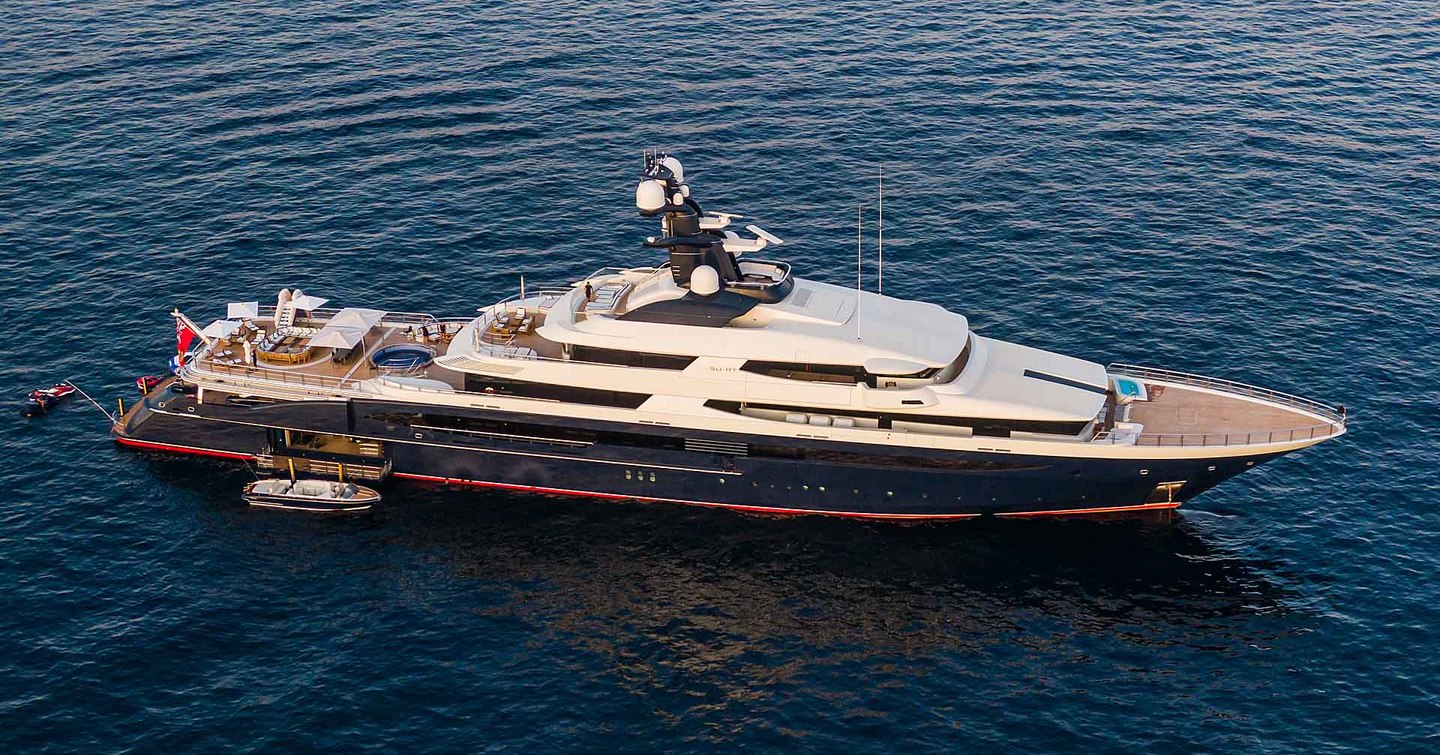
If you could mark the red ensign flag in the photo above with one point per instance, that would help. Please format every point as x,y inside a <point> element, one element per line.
<point>183,336</point>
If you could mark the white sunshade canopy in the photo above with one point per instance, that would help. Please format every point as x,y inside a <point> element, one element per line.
<point>338,337</point>
<point>220,328</point>
<point>242,309</point>
<point>307,302</point>
<point>357,317</point>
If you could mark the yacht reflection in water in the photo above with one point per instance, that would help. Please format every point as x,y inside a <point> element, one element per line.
<point>653,570</point>
<point>704,616</point>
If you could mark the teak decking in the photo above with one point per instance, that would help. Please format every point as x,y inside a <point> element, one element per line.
<point>1197,414</point>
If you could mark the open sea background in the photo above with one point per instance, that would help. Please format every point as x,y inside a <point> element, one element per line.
<point>1235,188</point>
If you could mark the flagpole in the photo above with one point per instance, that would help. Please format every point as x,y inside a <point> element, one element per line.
<point>859,265</point>
<point>188,323</point>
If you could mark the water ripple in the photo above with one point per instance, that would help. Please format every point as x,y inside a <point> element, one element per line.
<point>1241,189</point>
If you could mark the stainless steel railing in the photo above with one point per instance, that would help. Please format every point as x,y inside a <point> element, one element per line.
<point>1334,419</point>
<point>246,375</point>
<point>1221,439</point>
<point>391,319</point>
<point>1329,413</point>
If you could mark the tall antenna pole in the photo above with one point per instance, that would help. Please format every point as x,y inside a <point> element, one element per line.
<point>859,263</point>
<point>880,281</point>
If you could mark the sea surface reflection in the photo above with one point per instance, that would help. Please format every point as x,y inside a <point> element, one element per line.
<point>707,586</point>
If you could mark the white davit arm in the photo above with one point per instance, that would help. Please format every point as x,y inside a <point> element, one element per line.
<point>714,221</point>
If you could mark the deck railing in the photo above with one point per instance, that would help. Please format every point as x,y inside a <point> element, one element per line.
<point>246,375</point>
<point>1334,418</point>
<point>1329,413</point>
<point>1221,439</point>
<point>545,298</point>
<point>391,319</point>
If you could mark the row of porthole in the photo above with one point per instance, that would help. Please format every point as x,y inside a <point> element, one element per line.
<point>1210,468</point>
<point>819,488</point>
<point>638,474</point>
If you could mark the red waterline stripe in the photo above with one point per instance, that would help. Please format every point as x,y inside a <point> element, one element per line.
<point>616,496</point>
<point>181,449</point>
<point>1105,510</point>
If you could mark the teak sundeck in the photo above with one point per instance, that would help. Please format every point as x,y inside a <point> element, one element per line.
<point>715,378</point>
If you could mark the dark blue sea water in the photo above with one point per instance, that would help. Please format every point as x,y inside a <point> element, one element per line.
<point>1236,188</point>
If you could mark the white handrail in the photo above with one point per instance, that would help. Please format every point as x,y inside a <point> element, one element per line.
<point>1332,414</point>
<point>1220,439</point>
<point>1335,418</point>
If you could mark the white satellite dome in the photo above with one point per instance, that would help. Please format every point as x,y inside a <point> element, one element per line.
<point>675,167</point>
<point>705,281</point>
<point>650,195</point>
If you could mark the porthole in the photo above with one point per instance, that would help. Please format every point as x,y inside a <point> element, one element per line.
<point>804,487</point>
<point>419,436</point>
<point>1144,471</point>
<point>161,404</point>
<point>628,474</point>
<point>1249,463</point>
<point>889,494</point>
<point>722,480</point>
<point>652,476</point>
<point>1212,467</point>
<point>822,488</point>
<point>190,409</point>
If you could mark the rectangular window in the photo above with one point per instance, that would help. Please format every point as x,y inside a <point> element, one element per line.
<point>524,431</point>
<point>982,426</point>
<point>568,394</point>
<point>885,460</point>
<point>630,358</point>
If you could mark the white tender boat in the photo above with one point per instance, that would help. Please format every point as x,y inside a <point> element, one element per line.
<point>310,495</point>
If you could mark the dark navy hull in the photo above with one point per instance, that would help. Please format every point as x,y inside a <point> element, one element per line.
<point>668,464</point>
